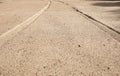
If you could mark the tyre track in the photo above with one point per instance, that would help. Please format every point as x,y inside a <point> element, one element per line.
<point>113,32</point>
<point>14,31</point>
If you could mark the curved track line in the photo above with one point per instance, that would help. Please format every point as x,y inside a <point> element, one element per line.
<point>11,33</point>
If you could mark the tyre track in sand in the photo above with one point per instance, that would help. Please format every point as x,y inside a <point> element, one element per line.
<point>14,31</point>
<point>111,31</point>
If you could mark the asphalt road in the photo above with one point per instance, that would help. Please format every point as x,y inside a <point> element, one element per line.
<point>60,42</point>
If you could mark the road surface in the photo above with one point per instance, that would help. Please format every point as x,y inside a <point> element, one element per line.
<point>60,42</point>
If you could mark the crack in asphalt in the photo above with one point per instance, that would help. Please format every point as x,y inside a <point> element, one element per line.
<point>91,18</point>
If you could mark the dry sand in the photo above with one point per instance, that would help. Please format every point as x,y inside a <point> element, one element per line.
<point>61,42</point>
<point>107,12</point>
<point>13,12</point>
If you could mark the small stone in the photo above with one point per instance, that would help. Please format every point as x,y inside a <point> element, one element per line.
<point>103,44</point>
<point>44,67</point>
<point>79,45</point>
<point>108,68</point>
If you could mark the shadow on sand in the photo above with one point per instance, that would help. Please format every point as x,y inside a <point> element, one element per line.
<point>107,4</point>
<point>0,2</point>
<point>110,4</point>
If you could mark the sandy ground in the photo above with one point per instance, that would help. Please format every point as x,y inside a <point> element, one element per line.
<point>60,42</point>
<point>107,12</point>
<point>13,12</point>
